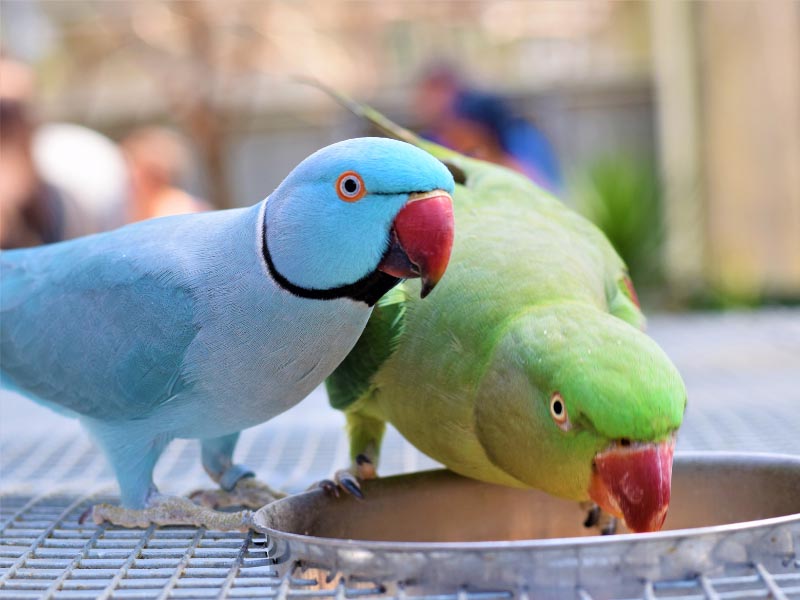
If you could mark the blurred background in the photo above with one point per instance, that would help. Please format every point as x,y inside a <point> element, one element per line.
<point>673,125</point>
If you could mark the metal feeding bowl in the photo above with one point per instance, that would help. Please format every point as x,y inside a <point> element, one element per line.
<point>436,528</point>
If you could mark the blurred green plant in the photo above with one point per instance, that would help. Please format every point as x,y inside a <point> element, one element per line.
<point>621,195</point>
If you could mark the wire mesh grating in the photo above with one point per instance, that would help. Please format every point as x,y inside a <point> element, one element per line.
<point>46,553</point>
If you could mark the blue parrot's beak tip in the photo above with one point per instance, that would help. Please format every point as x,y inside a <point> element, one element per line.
<point>421,239</point>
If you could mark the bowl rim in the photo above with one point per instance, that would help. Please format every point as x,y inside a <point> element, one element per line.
<point>385,546</point>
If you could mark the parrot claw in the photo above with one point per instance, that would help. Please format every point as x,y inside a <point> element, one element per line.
<point>172,510</point>
<point>248,492</point>
<point>347,480</point>
<point>596,518</point>
<point>343,480</point>
<point>328,486</point>
<point>349,483</point>
<point>85,515</point>
<point>592,517</point>
<point>610,528</point>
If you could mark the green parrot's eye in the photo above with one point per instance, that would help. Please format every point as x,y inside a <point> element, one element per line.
<point>558,410</point>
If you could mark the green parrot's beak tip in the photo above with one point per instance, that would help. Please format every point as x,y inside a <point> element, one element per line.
<point>633,482</point>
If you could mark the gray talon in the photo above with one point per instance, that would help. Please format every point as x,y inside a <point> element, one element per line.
<point>328,486</point>
<point>345,480</point>
<point>593,517</point>
<point>611,527</point>
<point>597,518</point>
<point>348,482</point>
<point>352,487</point>
<point>85,515</point>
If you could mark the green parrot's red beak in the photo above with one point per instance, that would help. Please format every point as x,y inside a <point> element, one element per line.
<point>421,239</point>
<point>633,482</point>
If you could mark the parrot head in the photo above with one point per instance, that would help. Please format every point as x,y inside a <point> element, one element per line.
<point>363,212</point>
<point>580,404</point>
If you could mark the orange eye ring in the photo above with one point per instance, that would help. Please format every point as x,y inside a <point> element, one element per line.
<point>558,410</point>
<point>350,187</point>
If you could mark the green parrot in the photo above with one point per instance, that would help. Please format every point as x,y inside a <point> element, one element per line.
<point>527,366</point>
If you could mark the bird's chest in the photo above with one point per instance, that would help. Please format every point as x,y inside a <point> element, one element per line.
<point>259,366</point>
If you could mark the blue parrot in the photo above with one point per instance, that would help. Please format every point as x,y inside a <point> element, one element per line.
<point>199,326</point>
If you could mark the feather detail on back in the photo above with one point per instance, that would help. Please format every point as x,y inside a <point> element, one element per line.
<point>110,334</point>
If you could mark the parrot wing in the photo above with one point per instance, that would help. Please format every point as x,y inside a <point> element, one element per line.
<point>96,326</point>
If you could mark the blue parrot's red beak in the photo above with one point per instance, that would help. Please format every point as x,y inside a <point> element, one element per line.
<point>633,482</point>
<point>421,239</point>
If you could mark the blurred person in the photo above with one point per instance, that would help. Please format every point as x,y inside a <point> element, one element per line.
<point>89,171</point>
<point>58,180</point>
<point>16,80</point>
<point>435,96</point>
<point>483,125</point>
<point>31,211</point>
<point>158,162</point>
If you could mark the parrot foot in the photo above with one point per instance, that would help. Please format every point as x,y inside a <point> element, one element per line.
<point>172,510</point>
<point>344,479</point>
<point>248,492</point>
<point>365,468</point>
<point>606,523</point>
<point>608,526</point>
<point>592,517</point>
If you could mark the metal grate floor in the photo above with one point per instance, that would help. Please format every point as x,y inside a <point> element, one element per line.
<point>742,371</point>
<point>46,554</point>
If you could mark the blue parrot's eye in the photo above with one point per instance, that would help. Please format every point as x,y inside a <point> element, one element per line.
<point>350,186</point>
<point>558,410</point>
